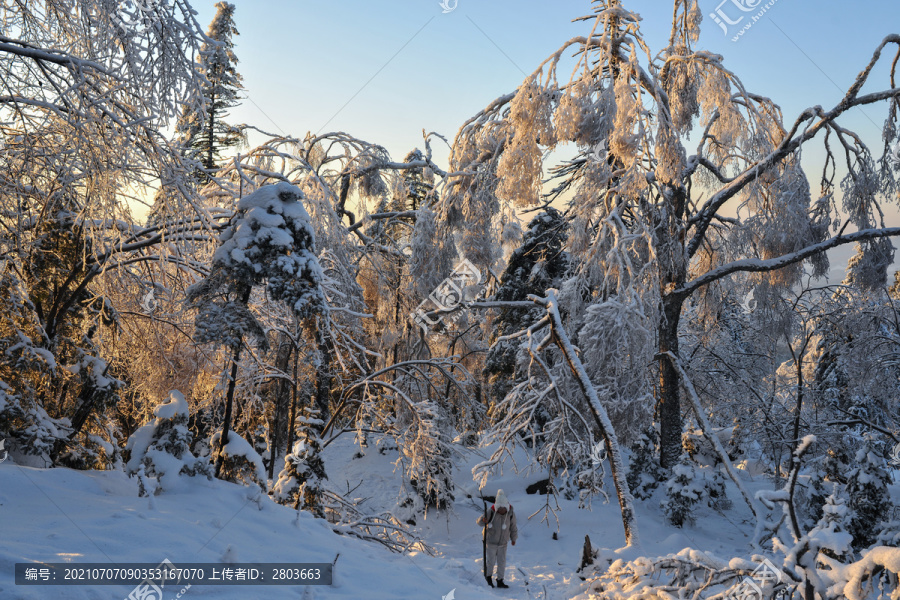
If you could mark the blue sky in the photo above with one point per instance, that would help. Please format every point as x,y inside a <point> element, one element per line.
<point>384,70</point>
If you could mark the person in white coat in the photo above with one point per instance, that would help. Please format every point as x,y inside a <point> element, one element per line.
<point>500,528</point>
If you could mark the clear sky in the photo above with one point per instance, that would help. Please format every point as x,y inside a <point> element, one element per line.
<point>384,70</point>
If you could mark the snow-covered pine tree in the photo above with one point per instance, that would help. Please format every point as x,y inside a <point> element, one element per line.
<point>683,491</point>
<point>417,185</point>
<point>538,264</point>
<point>269,240</point>
<point>162,447</point>
<point>204,135</point>
<point>831,534</point>
<point>300,481</point>
<point>644,472</point>
<point>867,491</point>
<point>25,366</point>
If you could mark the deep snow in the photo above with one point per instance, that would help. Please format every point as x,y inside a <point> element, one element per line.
<point>60,515</point>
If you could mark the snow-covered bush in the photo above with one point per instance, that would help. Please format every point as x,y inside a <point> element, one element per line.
<point>831,534</point>
<point>644,472</point>
<point>240,462</point>
<point>163,446</point>
<point>300,482</point>
<point>868,495</point>
<point>683,491</point>
<point>714,488</point>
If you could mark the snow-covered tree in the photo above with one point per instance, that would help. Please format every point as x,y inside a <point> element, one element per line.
<point>162,447</point>
<point>540,263</point>
<point>654,223</point>
<point>683,491</point>
<point>867,491</point>
<point>269,241</point>
<point>300,482</point>
<point>205,133</point>
<point>643,469</point>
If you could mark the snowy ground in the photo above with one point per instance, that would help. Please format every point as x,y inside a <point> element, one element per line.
<point>60,515</point>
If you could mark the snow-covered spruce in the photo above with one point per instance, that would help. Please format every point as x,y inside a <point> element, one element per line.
<point>162,448</point>
<point>300,482</point>
<point>270,240</point>
<point>869,499</point>
<point>683,491</point>
<point>538,264</point>
<point>644,472</point>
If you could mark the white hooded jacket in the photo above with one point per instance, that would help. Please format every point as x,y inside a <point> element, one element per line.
<point>500,528</point>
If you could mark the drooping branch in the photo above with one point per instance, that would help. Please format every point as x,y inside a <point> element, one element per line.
<point>754,265</point>
<point>561,339</point>
<point>791,143</point>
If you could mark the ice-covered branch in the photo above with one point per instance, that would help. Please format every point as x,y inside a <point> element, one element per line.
<point>755,265</point>
<point>601,419</point>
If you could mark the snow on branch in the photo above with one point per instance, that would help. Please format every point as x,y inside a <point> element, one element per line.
<point>755,265</point>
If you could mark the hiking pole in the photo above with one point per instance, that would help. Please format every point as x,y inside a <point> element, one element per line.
<point>484,539</point>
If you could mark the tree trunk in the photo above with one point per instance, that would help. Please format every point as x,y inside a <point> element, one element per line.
<point>324,373</point>
<point>668,395</point>
<point>211,137</point>
<point>229,401</point>
<point>601,418</point>
<point>293,418</point>
<point>282,401</point>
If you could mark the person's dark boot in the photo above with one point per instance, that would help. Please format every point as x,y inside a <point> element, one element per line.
<point>500,584</point>
<point>489,580</point>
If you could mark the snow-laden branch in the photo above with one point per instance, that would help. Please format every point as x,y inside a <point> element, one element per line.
<point>601,418</point>
<point>792,142</point>
<point>756,265</point>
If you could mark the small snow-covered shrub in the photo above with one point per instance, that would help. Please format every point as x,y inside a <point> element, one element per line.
<point>300,481</point>
<point>163,446</point>
<point>714,489</point>
<point>241,463</point>
<point>868,495</point>
<point>644,472</point>
<point>683,491</point>
<point>830,534</point>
